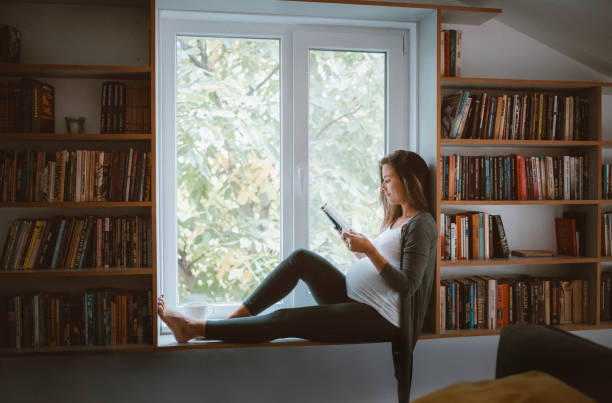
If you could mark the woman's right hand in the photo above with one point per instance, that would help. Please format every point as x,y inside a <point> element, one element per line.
<point>358,255</point>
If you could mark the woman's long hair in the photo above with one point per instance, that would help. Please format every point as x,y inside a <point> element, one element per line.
<point>414,174</point>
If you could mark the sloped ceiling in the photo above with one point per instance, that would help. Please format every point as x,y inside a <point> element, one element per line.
<point>580,29</point>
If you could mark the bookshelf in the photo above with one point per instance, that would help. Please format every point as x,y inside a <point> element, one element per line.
<point>596,144</point>
<point>69,57</point>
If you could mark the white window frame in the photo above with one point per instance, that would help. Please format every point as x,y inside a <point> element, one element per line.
<point>294,163</point>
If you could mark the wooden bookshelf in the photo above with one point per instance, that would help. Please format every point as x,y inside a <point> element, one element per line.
<point>78,80</point>
<point>580,268</point>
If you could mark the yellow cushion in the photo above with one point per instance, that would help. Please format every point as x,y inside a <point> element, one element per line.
<point>532,386</point>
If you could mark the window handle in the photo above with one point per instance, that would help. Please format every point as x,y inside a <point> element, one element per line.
<point>300,174</point>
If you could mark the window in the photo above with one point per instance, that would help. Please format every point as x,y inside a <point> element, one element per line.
<point>259,124</point>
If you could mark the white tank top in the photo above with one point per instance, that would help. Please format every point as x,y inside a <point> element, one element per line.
<point>364,283</point>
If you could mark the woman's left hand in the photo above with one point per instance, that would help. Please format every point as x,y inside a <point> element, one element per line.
<point>356,242</point>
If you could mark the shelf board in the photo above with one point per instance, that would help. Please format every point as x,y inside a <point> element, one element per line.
<point>514,202</point>
<point>74,71</point>
<point>514,260</point>
<point>494,332</point>
<point>77,204</point>
<point>462,82</point>
<point>606,143</point>
<point>76,137</point>
<point>504,143</point>
<point>77,273</point>
<point>77,349</point>
<point>605,259</point>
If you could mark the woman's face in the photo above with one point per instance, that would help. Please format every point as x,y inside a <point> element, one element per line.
<point>392,186</point>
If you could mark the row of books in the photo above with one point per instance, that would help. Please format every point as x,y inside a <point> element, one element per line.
<point>514,177</point>
<point>102,317</point>
<point>125,108</point>
<point>482,302</point>
<point>27,105</point>
<point>78,243</point>
<point>532,116</point>
<point>472,235</point>
<point>605,294</point>
<point>81,176</point>
<point>450,53</point>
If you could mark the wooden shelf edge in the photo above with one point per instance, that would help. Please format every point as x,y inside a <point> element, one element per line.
<point>514,202</point>
<point>518,260</point>
<point>496,332</point>
<point>5,352</point>
<point>77,67</point>
<point>77,273</point>
<point>77,204</point>
<point>405,5</point>
<point>481,80</point>
<point>539,143</point>
<point>76,137</point>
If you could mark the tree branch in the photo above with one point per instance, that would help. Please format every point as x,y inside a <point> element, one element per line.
<point>258,86</point>
<point>327,126</point>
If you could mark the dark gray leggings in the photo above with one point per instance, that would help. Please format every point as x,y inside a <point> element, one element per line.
<point>337,318</point>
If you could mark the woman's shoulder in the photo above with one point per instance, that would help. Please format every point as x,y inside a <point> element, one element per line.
<point>423,220</point>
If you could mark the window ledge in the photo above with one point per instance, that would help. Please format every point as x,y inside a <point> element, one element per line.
<point>167,342</point>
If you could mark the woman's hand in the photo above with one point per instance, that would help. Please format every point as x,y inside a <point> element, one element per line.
<point>358,255</point>
<point>357,243</point>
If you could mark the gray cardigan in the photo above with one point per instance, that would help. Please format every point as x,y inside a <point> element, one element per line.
<point>414,282</point>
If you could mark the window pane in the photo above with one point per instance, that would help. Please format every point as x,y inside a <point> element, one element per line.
<point>346,134</point>
<point>228,165</point>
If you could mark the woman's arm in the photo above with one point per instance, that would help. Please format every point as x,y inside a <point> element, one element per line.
<point>420,238</point>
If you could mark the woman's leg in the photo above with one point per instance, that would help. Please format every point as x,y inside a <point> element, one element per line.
<point>327,284</point>
<point>349,322</point>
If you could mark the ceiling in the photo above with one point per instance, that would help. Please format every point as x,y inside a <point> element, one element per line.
<point>580,29</point>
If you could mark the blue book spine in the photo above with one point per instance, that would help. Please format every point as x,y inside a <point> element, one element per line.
<point>444,178</point>
<point>453,306</point>
<point>472,305</point>
<point>508,179</point>
<point>58,241</point>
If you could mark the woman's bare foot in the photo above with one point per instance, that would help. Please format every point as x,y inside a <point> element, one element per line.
<point>183,328</point>
<point>241,312</point>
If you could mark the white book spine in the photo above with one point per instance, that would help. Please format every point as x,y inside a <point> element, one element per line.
<point>492,300</point>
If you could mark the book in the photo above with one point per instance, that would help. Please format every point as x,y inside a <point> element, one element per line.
<point>339,222</point>
<point>38,106</point>
<point>532,253</point>
<point>565,230</point>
